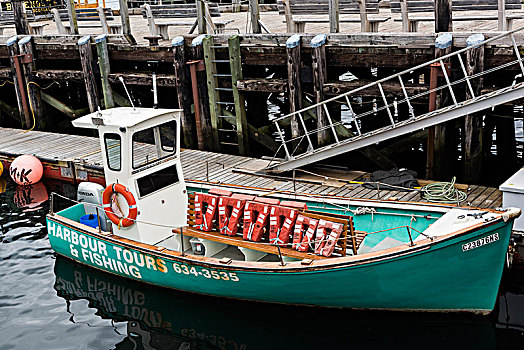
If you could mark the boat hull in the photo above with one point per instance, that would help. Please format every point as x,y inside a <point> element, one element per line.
<point>450,274</point>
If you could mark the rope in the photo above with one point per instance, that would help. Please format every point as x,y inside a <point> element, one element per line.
<point>443,192</point>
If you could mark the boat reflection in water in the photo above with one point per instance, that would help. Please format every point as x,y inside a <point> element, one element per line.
<point>160,318</point>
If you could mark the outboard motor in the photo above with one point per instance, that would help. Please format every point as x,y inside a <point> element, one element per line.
<point>90,192</point>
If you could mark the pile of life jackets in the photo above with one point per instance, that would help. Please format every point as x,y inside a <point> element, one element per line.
<point>257,216</point>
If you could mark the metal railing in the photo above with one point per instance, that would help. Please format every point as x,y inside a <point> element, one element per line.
<point>305,143</point>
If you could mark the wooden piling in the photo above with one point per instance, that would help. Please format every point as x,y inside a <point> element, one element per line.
<point>105,70</point>
<point>441,138</point>
<point>502,25</point>
<point>255,16</point>
<point>443,16</point>
<point>18,81</point>
<point>126,25</point>
<point>182,84</point>
<point>293,74</point>
<point>318,55</point>
<point>235,60</point>
<point>472,140</point>
<point>201,17</point>
<point>71,12</point>
<point>334,25</point>
<point>35,101</point>
<point>86,59</point>
<point>20,17</point>
<point>201,81</point>
<point>212,88</point>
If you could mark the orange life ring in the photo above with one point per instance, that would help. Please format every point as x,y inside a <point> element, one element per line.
<point>131,202</point>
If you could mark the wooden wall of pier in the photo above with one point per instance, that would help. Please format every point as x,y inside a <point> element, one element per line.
<point>64,77</point>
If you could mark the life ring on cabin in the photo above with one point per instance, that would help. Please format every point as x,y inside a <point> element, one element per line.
<point>131,202</point>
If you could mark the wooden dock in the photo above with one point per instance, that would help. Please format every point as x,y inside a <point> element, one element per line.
<point>78,158</point>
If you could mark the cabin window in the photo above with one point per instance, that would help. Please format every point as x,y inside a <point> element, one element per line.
<point>158,180</point>
<point>150,145</point>
<point>113,145</point>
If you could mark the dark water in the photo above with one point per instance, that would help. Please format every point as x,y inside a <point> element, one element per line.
<point>49,302</point>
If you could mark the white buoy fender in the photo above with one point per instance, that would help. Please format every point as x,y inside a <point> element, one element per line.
<point>26,170</point>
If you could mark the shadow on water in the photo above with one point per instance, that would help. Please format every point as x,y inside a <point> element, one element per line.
<point>159,318</point>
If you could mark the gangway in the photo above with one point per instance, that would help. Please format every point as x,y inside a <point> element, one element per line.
<point>308,143</point>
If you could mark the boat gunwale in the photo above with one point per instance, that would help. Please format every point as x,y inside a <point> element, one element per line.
<point>295,267</point>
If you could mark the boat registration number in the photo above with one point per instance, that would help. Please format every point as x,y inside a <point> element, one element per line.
<point>480,242</point>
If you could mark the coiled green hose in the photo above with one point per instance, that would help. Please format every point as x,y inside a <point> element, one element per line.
<point>443,192</point>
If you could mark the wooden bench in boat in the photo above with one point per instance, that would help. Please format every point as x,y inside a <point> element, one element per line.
<point>410,23</point>
<point>310,11</point>
<point>186,11</point>
<point>349,238</point>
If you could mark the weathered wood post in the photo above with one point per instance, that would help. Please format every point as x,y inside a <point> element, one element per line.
<point>293,74</point>
<point>21,23</point>
<point>182,87</point>
<point>443,16</point>
<point>126,25</point>
<point>105,70</point>
<point>18,81</point>
<point>201,16</point>
<point>406,27</point>
<point>442,135</point>
<point>203,103</point>
<point>318,53</point>
<point>86,58</point>
<point>364,23</point>
<point>334,26</point>
<point>212,88</point>
<point>28,63</point>
<point>255,16</point>
<point>71,12</point>
<point>290,27</point>
<point>502,25</point>
<point>235,62</point>
<point>472,139</point>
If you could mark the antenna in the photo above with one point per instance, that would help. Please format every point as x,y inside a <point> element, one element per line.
<point>127,92</point>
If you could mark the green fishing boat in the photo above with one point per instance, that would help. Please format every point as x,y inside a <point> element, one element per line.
<point>292,248</point>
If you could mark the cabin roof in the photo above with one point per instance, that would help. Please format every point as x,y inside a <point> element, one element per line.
<point>121,117</point>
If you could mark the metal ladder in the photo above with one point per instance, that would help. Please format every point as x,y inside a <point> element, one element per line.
<point>225,102</point>
<point>304,149</point>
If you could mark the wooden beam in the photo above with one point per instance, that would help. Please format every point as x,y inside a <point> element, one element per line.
<point>20,17</point>
<point>182,84</point>
<point>35,101</point>
<point>60,106</point>
<point>18,81</point>
<point>255,16</point>
<point>295,87</point>
<point>126,25</point>
<point>105,70</point>
<point>334,23</point>
<point>472,140</point>
<point>213,94</point>
<point>318,57</point>
<point>201,17</point>
<point>86,59</point>
<point>71,12</point>
<point>235,63</point>
<point>262,85</point>
<point>443,16</point>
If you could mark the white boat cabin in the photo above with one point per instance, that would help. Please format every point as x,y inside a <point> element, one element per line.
<point>141,151</point>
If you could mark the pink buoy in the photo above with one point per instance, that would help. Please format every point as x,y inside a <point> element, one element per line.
<point>26,170</point>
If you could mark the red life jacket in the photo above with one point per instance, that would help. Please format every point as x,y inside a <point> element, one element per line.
<point>256,218</point>
<point>327,237</point>
<point>301,240</point>
<point>206,208</point>
<point>282,218</point>
<point>230,210</point>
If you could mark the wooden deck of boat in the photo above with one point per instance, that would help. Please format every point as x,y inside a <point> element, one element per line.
<point>83,153</point>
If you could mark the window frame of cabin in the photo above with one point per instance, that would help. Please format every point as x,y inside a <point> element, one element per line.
<point>118,138</point>
<point>170,153</point>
